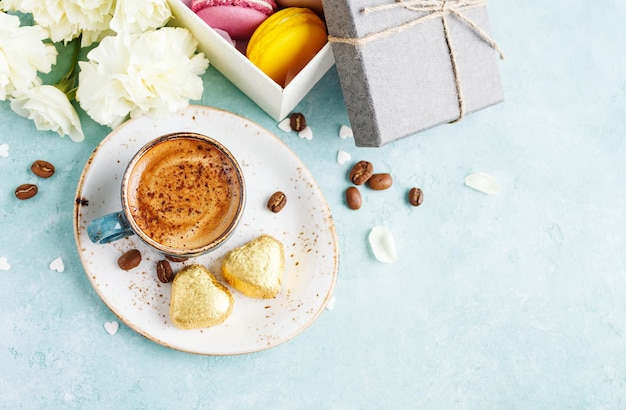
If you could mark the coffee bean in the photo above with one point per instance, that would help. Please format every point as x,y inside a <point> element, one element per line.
<point>353,198</point>
<point>26,191</point>
<point>416,196</point>
<point>129,260</point>
<point>164,271</point>
<point>82,201</point>
<point>175,259</point>
<point>277,201</point>
<point>361,172</point>
<point>379,182</point>
<point>42,168</point>
<point>297,121</point>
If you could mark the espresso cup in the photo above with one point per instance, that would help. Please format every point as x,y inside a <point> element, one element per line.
<point>183,194</point>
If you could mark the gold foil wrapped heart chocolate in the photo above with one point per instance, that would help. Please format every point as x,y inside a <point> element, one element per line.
<point>256,268</point>
<point>198,300</point>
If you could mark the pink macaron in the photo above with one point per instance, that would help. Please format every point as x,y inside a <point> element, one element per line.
<point>238,18</point>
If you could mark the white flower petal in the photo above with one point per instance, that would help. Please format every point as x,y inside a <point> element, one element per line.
<point>382,244</point>
<point>68,19</point>
<point>137,16</point>
<point>22,54</point>
<point>50,109</point>
<point>152,73</point>
<point>483,182</point>
<point>14,5</point>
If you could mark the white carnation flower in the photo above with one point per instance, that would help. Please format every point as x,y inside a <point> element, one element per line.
<point>101,89</point>
<point>68,19</point>
<point>136,16</point>
<point>22,55</point>
<point>154,73</point>
<point>50,109</point>
<point>15,5</point>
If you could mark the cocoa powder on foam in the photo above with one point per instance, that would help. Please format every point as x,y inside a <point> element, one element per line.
<point>184,194</point>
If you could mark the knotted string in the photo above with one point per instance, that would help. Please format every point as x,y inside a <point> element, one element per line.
<point>433,9</point>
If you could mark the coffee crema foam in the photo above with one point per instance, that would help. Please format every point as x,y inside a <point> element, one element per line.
<point>183,193</point>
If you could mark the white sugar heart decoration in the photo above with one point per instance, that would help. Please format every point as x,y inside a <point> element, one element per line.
<point>343,157</point>
<point>4,263</point>
<point>57,265</point>
<point>111,327</point>
<point>345,132</point>
<point>285,125</point>
<point>306,133</point>
<point>4,150</point>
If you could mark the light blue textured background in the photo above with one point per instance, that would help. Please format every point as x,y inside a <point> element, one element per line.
<point>514,301</point>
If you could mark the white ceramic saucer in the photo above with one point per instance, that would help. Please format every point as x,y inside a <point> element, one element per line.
<point>305,227</point>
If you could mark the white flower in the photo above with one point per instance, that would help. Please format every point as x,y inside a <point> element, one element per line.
<point>136,16</point>
<point>67,19</point>
<point>154,73</point>
<point>101,82</point>
<point>22,55</point>
<point>7,5</point>
<point>50,109</point>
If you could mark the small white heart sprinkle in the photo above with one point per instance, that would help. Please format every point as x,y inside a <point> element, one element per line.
<point>111,327</point>
<point>306,133</point>
<point>285,125</point>
<point>343,157</point>
<point>331,303</point>
<point>4,150</point>
<point>4,263</point>
<point>382,244</point>
<point>345,132</point>
<point>57,265</point>
<point>483,182</point>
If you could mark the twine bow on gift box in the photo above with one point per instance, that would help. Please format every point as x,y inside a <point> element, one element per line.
<point>433,9</point>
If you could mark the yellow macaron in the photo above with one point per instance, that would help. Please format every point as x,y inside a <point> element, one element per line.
<point>285,42</point>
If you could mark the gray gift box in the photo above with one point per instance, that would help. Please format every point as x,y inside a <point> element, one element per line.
<point>407,66</point>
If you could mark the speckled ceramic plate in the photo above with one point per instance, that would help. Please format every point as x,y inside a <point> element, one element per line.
<point>305,227</point>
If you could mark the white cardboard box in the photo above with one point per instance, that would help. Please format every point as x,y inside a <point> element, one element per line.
<point>278,102</point>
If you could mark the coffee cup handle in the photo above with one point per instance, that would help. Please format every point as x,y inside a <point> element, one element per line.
<point>109,228</point>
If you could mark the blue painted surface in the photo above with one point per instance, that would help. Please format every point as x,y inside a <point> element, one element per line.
<point>509,301</point>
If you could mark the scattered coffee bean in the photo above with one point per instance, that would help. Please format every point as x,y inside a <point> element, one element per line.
<point>416,196</point>
<point>26,191</point>
<point>353,198</point>
<point>164,271</point>
<point>42,168</point>
<point>361,172</point>
<point>129,260</point>
<point>175,259</point>
<point>277,201</point>
<point>379,182</point>
<point>82,201</point>
<point>297,121</point>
